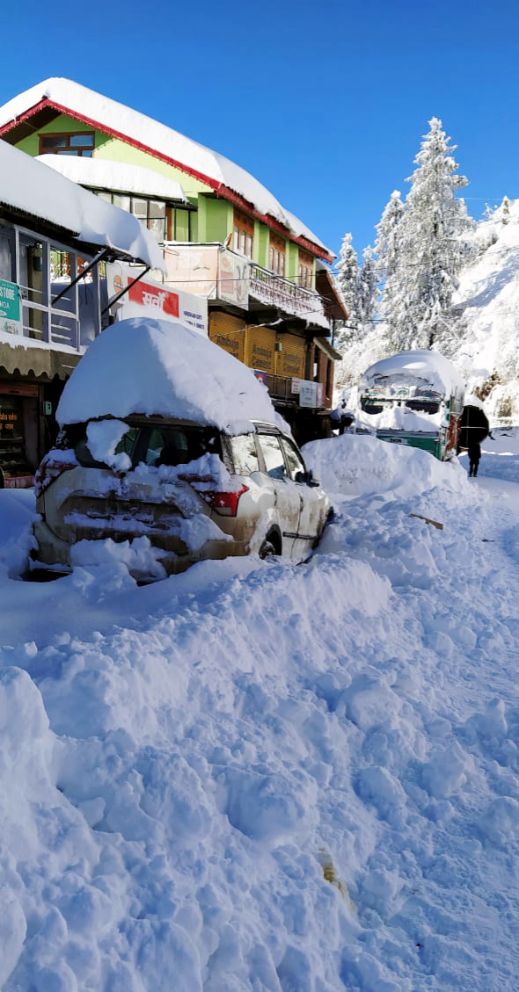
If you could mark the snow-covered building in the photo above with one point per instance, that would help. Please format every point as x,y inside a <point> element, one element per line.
<point>263,272</point>
<point>56,240</point>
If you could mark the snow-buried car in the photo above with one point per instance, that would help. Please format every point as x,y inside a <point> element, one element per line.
<point>170,448</point>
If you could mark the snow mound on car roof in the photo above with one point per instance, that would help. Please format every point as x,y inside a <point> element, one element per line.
<point>161,368</point>
<point>415,367</point>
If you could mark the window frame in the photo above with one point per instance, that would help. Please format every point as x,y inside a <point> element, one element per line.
<point>170,211</point>
<point>81,151</point>
<point>277,255</point>
<point>305,268</point>
<point>243,234</point>
<point>52,333</point>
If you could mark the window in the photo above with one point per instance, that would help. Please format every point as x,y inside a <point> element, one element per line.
<point>52,308</point>
<point>294,462</point>
<point>243,233</point>
<point>85,457</point>
<point>306,270</point>
<point>152,213</point>
<point>244,454</point>
<point>68,144</point>
<point>273,456</point>
<point>7,254</point>
<point>277,251</point>
<point>178,445</point>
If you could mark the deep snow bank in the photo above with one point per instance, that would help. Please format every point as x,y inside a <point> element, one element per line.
<point>356,464</point>
<point>179,762</point>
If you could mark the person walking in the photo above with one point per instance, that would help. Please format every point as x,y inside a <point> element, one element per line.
<point>474,457</point>
<point>474,429</point>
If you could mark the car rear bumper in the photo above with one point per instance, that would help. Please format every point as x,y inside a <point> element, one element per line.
<point>54,554</point>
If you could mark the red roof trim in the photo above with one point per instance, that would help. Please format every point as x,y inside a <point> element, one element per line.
<point>220,188</point>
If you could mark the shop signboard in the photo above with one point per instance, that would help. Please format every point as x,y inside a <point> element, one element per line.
<point>153,299</point>
<point>233,278</point>
<point>310,395</point>
<point>10,307</point>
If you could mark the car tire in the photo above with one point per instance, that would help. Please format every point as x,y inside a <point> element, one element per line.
<point>2,480</point>
<point>268,549</point>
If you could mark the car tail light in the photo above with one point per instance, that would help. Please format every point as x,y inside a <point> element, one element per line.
<point>226,504</point>
<point>49,469</point>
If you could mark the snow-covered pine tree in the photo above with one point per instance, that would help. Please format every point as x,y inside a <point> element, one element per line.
<point>367,288</point>
<point>347,275</point>
<point>387,250</point>
<point>503,211</point>
<point>430,248</point>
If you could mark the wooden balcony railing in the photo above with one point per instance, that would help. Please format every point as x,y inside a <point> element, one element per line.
<point>274,290</point>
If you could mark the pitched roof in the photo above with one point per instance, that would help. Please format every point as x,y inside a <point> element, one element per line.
<point>29,187</point>
<point>220,173</point>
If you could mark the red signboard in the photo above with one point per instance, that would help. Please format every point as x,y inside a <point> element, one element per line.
<point>145,294</point>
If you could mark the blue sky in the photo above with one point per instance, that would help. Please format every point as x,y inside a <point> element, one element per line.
<point>325,102</point>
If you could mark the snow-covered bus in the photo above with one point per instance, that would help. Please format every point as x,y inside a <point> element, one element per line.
<point>415,398</point>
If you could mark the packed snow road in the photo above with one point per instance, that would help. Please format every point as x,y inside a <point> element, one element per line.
<point>259,777</point>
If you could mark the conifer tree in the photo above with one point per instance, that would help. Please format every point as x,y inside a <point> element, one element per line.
<point>387,249</point>
<point>367,288</point>
<point>347,274</point>
<point>430,247</point>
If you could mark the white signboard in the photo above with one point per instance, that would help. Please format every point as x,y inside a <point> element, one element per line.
<point>310,393</point>
<point>153,299</point>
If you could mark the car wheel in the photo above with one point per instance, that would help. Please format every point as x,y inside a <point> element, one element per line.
<point>268,549</point>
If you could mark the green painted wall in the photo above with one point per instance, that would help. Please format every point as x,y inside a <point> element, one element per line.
<point>261,244</point>
<point>31,144</point>
<point>182,225</point>
<point>118,151</point>
<point>215,216</point>
<point>292,260</point>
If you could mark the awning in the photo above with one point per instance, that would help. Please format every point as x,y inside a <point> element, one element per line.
<point>326,286</point>
<point>328,350</point>
<point>37,362</point>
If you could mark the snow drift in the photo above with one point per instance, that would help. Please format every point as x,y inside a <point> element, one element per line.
<point>257,776</point>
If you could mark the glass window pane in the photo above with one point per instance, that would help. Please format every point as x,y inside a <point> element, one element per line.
<point>62,272</point>
<point>156,209</point>
<point>83,140</point>
<point>52,141</point>
<point>33,278</point>
<point>127,443</point>
<point>274,461</point>
<point>154,448</point>
<point>244,454</point>
<point>294,462</point>
<point>140,208</point>
<point>121,201</point>
<point>158,228</point>
<point>6,255</point>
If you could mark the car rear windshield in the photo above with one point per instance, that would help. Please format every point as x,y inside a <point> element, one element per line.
<point>151,444</point>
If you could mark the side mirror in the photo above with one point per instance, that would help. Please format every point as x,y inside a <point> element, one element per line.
<point>308,477</point>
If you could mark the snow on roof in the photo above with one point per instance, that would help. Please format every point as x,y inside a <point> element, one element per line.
<point>162,368</point>
<point>104,174</point>
<point>115,116</point>
<point>409,366</point>
<point>33,188</point>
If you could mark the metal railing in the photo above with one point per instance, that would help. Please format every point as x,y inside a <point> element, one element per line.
<point>275,290</point>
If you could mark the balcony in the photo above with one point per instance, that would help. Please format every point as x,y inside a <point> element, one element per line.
<point>276,291</point>
<point>226,276</point>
